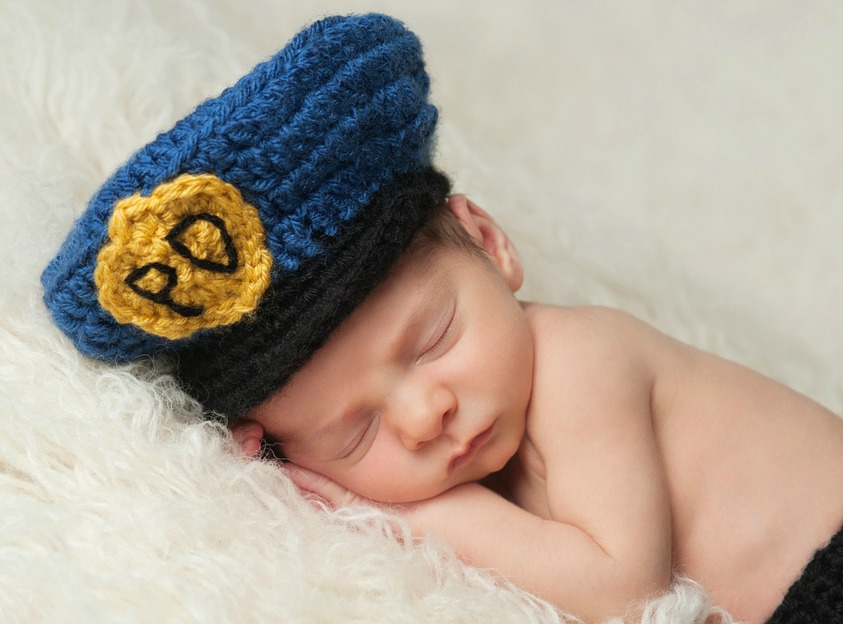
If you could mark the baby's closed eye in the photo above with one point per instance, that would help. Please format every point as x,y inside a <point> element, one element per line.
<point>363,438</point>
<point>441,336</point>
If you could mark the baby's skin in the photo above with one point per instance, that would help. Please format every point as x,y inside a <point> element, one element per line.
<point>581,453</point>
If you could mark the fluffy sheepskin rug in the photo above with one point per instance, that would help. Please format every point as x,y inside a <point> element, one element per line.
<point>681,161</point>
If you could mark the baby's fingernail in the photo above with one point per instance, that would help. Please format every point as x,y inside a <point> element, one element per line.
<point>296,474</point>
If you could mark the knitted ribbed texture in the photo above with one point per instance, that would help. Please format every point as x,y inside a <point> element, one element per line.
<point>817,597</point>
<point>329,143</point>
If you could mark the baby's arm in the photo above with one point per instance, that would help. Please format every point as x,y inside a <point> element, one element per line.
<point>554,560</point>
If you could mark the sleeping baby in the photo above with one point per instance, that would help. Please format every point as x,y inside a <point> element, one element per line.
<point>292,248</point>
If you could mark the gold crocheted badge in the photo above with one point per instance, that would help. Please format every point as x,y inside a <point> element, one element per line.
<point>190,256</point>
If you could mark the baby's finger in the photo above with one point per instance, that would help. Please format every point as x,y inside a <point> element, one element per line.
<point>323,487</point>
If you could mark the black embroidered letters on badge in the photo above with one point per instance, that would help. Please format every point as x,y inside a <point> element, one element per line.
<point>181,248</point>
<point>164,296</point>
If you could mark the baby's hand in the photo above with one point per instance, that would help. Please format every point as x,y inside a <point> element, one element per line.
<point>427,515</point>
<point>317,486</point>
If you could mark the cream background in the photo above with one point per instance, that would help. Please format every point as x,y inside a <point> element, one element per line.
<point>677,159</point>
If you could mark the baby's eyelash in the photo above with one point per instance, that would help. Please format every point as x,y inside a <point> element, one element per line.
<point>440,341</point>
<point>438,344</point>
<point>357,441</point>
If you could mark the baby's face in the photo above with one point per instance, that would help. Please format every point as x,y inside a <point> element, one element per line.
<point>424,387</point>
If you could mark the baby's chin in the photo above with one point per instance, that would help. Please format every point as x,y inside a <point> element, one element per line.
<point>498,460</point>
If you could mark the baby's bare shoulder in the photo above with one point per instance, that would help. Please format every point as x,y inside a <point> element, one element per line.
<point>573,331</point>
<point>600,366</point>
<point>594,368</point>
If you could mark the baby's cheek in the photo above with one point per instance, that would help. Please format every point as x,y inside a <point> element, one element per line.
<point>369,479</point>
<point>375,480</point>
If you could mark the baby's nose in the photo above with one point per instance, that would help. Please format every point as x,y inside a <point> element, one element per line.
<point>426,415</point>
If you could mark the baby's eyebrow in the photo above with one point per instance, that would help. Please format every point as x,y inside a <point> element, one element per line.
<point>420,310</point>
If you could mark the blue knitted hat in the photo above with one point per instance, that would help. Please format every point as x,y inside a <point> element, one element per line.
<point>241,238</point>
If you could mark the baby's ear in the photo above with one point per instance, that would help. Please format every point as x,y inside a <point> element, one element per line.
<point>248,435</point>
<point>483,228</point>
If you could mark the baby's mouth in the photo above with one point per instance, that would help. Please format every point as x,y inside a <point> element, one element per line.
<point>471,449</point>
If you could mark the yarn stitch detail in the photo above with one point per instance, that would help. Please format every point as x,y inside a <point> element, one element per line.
<point>189,256</point>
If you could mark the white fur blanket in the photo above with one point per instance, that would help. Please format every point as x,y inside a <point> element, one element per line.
<point>678,160</point>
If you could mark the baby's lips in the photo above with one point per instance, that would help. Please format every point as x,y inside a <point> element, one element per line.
<point>189,256</point>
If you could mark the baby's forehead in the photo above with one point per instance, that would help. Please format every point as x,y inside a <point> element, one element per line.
<point>409,290</point>
<point>422,267</point>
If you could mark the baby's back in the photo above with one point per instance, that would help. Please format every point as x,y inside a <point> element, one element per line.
<point>755,473</point>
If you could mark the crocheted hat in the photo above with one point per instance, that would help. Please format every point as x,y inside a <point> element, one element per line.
<point>241,238</point>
